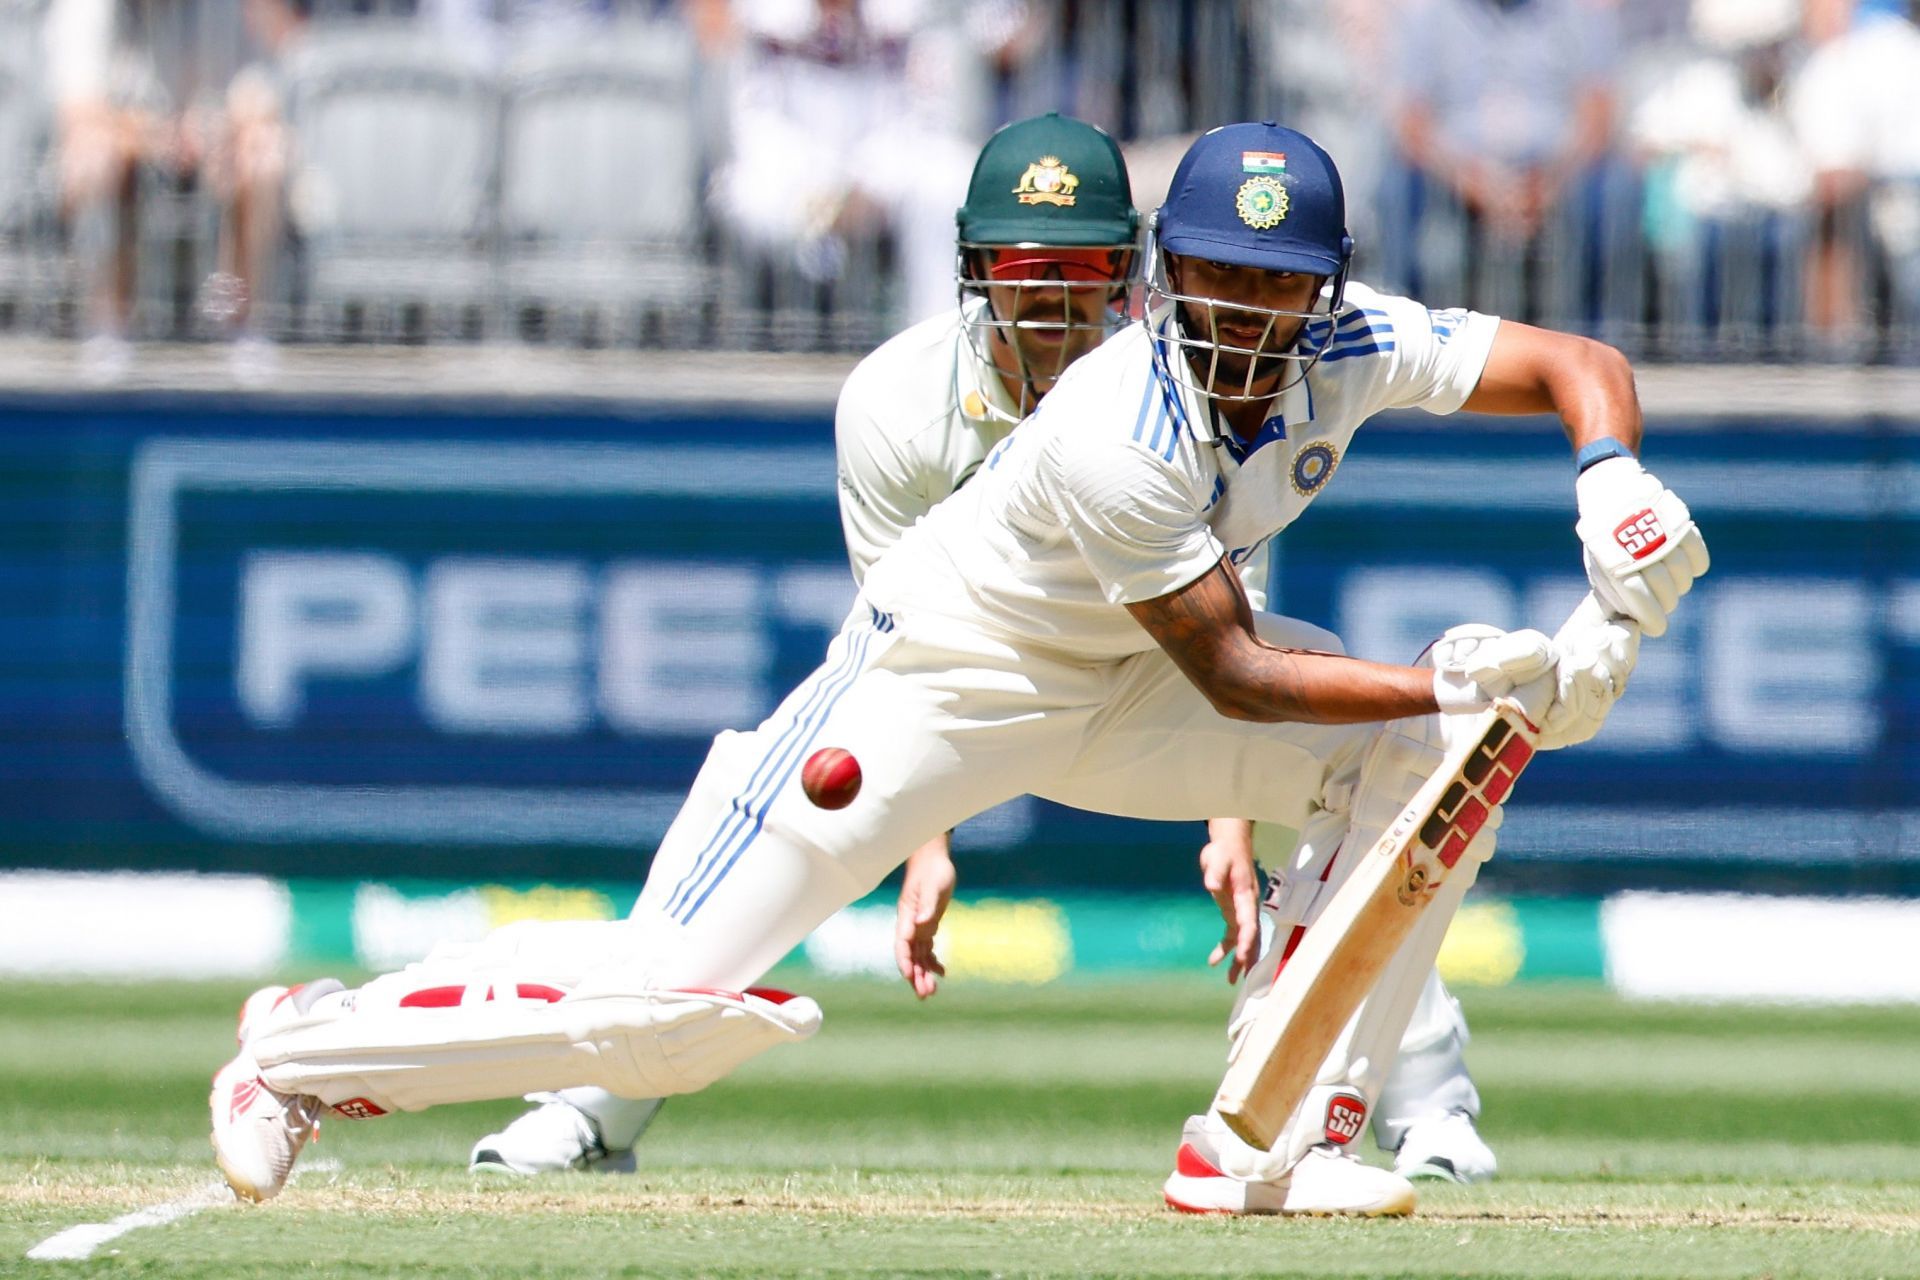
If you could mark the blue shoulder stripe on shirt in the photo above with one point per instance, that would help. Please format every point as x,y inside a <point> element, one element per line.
<point>1363,336</point>
<point>1147,400</point>
<point>1322,335</point>
<point>1358,320</point>
<point>1355,349</point>
<point>1161,425</point>
<point>1170,413</point>
<point>1362,339</point>
<point>1170,403</point>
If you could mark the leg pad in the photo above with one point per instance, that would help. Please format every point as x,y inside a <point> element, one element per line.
<point>638,1043</point>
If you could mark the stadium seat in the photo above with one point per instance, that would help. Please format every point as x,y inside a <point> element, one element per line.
<point>601,168</point>
<point>395,149</point>
<point>25,192</point>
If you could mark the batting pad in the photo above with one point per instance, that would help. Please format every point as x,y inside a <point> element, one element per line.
<point>636,1043</point>
<point>1362,801</point>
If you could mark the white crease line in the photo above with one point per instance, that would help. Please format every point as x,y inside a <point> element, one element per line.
<point>78,1243</point>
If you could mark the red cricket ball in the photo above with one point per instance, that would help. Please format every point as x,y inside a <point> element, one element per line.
<point>831,777</point>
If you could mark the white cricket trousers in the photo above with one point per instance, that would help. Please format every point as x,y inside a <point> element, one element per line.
<point>947,723</point>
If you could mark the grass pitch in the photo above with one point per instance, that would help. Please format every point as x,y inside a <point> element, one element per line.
<point>1003,1133</point>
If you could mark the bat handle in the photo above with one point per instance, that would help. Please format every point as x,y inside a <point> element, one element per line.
<point>1590,612</point>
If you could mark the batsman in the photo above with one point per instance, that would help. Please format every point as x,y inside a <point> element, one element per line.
<point>1047,260</point>
<point>1069,624</point>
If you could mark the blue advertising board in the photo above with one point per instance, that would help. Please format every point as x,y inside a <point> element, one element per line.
<point>450,640</point>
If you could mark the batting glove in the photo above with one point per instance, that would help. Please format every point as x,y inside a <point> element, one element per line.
<point>1595,656</point>
<point>1641,547</point>
<point>1474,664</point>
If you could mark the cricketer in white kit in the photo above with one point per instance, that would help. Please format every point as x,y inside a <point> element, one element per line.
<point>916,420</point>
<point>1047,254</point>
<point>1068,624</point>
<point>1043,279</point>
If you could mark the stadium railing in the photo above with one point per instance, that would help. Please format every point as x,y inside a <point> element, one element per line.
<point>562,199</point>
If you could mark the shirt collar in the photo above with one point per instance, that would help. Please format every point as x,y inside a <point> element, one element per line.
<point>1294,407</point>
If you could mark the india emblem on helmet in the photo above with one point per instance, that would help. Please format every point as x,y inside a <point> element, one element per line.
<point>1261,202</point>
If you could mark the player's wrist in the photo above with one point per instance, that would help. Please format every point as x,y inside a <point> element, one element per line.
<point>1457,694</point>
<point>1604,453</point>
<point>1613,479</point>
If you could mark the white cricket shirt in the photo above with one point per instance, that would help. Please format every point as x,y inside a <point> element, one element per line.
<point>915,420</point>
<point>1113,492</point>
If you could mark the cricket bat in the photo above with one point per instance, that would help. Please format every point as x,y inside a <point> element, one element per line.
<point>1344,953</point>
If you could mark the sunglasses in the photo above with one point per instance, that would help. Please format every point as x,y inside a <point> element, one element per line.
<point>1087,266</point>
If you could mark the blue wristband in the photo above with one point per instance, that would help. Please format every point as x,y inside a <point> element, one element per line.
<point>1599,451</point>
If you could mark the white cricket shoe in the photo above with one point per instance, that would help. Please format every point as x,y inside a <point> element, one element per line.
<point>1326,1182</point>
<point>1330,1181</point>
<point>258,1131</point>
<point>1449,1148</point>
<point>552,1138</point>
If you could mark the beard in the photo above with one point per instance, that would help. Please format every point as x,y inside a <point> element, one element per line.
<point>1263,347</point>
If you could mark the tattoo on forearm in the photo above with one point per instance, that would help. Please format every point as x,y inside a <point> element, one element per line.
<point>1207,628</point>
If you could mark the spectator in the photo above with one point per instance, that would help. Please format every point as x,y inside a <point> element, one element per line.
<point>487,31</point>
<point>1645,23</point>
<point>850,118</point>
<point>1505,111</point>
<point>22,123</point>
<point>1318,67</point>
<point>155,96</point>
<point>1324,65</point>
<point>1854,106</point>
<point>1725,191</point>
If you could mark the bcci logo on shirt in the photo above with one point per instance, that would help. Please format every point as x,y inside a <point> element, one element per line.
<point>1312,466</point>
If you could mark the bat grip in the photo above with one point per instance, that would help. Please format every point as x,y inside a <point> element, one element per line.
<point>1590,612</point>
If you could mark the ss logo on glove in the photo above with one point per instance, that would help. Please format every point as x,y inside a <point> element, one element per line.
<point>1641,547</point>
<point>1640,535</point>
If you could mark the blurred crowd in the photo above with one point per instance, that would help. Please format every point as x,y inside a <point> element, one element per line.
<point>1689,178</point>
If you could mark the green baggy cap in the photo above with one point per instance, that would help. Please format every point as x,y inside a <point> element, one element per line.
<point>1049,180</point>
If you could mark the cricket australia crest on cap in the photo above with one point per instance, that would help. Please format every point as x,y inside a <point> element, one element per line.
<point>1313,466</point>
<point>1261,201</point>
<point>1047,181</point>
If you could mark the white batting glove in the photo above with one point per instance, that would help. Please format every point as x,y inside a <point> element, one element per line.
<point>1641,547</point>
<point>1473,664</point>
<point>1596,655</point>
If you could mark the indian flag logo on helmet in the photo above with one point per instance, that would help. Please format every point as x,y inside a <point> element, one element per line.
<point>1261,201</point>
<point>1263,162</point>
<point>1313,466</point>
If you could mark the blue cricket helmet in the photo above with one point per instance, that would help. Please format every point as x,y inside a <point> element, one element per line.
<point>1258,195</point>
<point>1266,198</point>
